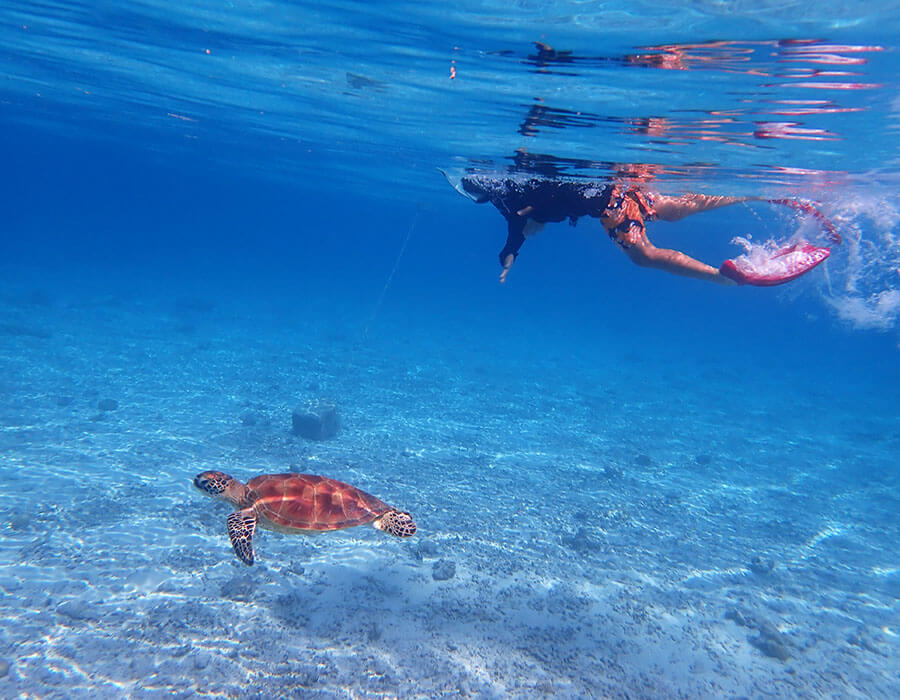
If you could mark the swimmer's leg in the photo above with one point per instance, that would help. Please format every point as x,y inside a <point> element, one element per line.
<point>645,254</point>
<point>670,208</point>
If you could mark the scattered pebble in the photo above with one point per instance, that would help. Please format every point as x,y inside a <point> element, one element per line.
<point>738,617</point>
<point>292,609</point>
<point>861,639</point>
<point>582,540</point>
<point>612,472</point>
<point>443,570</point>
<point>19,521</point>
<point>295,568</point>
<point>426,549</point>
<point>760,566</point>
<point>771,642</point>
<point>77,610</point>
<point>170,586</point>
<point>238,588</point>
<point>773,647</point>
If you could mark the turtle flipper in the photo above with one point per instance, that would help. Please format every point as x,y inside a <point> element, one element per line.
<point>241,526</point>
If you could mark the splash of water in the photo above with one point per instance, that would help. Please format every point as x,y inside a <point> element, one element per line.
<point>864,278</point>
<point>770,259</point>
<point>860,283</point>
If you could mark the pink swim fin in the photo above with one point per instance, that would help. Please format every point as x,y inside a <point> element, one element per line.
<point>785,265</point>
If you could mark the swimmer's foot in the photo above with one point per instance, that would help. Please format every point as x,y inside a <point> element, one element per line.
<point>731,271</point>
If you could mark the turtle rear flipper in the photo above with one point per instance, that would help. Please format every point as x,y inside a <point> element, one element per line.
<point>241,526</point>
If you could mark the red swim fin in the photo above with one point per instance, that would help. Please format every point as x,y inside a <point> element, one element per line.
<point>785,265</point>
<point>806,208</point>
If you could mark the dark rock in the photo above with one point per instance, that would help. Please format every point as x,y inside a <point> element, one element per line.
<point>292,608</point>
<point>142,666</point>
<point>582,541</point>
<point>761,567</point>
<point>238,588</point>
<point>248,419</point>
<point>77,610</point>
<point>443,570</point>
<point>19,521</point>
<point>4,667</point>
<point>316,420</point>
<point>186,560</point>
<point>861,639</point>
<point>643,461</point>
<point>426,549</point>
<point>170,586</point>
<point>107,404</point>
<point>738,617</point>
<point>295,568</point>
<point>612,472</point>
<point>194,306</point>
<point>63,401</point>
<point>703,460</point>
<point>772,644</point>
<point>22,331</point>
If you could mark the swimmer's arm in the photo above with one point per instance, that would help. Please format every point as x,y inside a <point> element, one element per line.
<point>515,237</point>
<point>507,265</point>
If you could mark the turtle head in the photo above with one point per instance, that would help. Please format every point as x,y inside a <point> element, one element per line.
<point>396,523</point>
<point>220,485</point>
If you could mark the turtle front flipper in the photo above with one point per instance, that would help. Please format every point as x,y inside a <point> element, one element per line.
<point>241,526</point>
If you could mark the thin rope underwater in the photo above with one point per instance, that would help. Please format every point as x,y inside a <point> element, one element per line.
<point>390,277</point>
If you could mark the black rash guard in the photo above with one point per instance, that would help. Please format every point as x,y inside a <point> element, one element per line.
<point>549,201</point>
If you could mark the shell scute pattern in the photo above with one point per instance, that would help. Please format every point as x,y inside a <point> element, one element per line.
<point>308,502</point>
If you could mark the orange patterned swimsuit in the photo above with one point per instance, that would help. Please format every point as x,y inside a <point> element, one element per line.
<point>624,217</point>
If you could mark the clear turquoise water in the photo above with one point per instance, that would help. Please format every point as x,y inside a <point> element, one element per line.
<point>648,486</point>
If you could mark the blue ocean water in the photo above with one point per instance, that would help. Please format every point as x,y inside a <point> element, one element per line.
<point>626,483</point>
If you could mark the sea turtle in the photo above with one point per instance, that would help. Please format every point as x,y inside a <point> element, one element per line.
<point>297,504</point>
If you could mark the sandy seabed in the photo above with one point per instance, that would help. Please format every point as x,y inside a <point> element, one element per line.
<point>565,549</point>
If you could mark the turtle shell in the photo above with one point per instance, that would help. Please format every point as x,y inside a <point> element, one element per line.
<point>308,502</point>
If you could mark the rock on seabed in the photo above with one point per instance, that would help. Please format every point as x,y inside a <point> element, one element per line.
<point>315,420</point>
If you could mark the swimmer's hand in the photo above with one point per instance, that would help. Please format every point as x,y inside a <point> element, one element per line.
<point>632,237</point>
<point>507,265</point>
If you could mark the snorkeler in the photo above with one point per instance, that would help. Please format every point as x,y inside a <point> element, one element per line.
<point>527,203</point>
